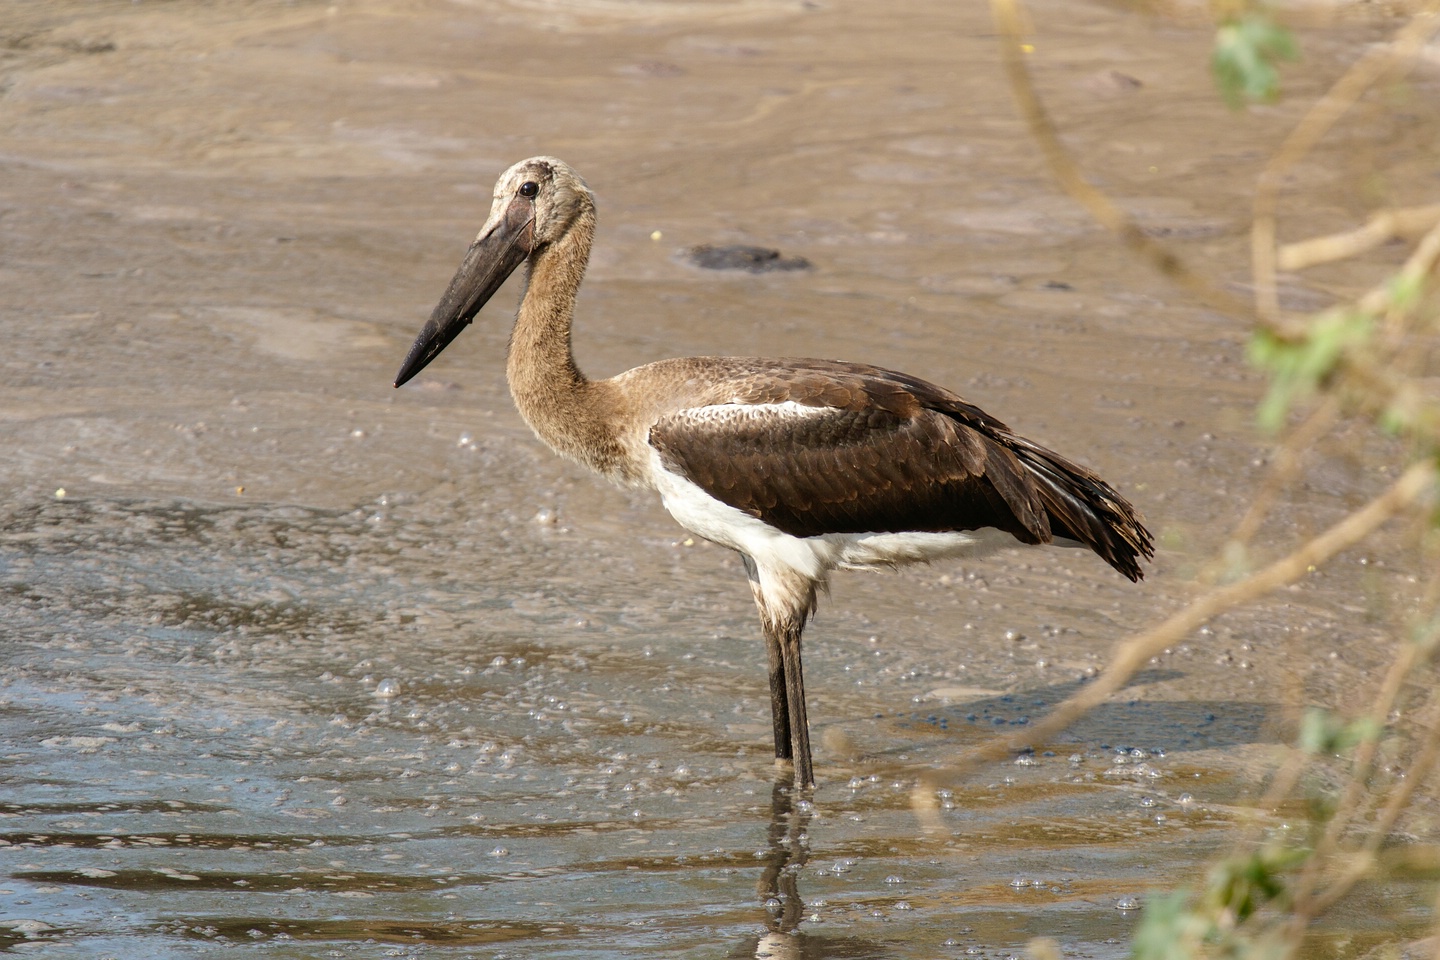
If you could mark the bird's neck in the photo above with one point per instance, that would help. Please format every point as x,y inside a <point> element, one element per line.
<point>568,411</point>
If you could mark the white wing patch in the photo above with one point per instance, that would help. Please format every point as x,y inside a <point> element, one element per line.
<point>740,411</point>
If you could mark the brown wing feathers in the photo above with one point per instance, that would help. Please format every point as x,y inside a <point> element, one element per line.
<point>885,453</point>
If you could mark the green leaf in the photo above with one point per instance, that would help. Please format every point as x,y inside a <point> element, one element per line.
<point>1241,885</point>
<point>1246,50</point>
<point>1317,731</point>
<point>1406,289</point>
<point>1296,367</point>
<point>1168,929</point>
<point>1323,732</point>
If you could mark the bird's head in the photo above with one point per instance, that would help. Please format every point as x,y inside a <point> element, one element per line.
<point>550,191</point>
<point>537,201</point>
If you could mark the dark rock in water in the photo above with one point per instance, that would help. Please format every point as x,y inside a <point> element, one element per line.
<point>740,256</point>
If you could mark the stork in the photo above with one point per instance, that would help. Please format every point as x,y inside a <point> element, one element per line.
<point>801,466</point>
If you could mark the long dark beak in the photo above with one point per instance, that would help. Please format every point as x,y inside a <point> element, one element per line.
<point>502,246</point>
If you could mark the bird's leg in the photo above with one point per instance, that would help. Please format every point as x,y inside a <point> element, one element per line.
<point>789,642</point>
<point>779,703</point>
<point>785,600</point>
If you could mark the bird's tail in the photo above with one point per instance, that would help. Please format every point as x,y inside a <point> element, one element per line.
<point>1084,508</point>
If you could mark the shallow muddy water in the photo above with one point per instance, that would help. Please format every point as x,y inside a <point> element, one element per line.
<point>299,665</point>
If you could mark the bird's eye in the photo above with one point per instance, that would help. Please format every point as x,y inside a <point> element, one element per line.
<point>529,188</point>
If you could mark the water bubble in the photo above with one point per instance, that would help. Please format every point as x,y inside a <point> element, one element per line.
<point>499,852</point>
<point>1147,801</point>
<point>465,440</point>
<point>903,905</point>
<point>1019,883</point>
<point>894,879</point>
<point>387,688</point>
<point>1127,903</point>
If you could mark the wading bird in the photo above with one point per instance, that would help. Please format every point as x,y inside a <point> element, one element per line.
<point>801,466</point>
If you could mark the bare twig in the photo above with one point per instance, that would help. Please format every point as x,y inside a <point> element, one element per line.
<point>1374,375</point>
<point>1011,23</point>
<point>1394,57</point>
<point>1380,228</point>
<point>1282,471</point>
<point>1309,904</point>
<point>1136,651</point>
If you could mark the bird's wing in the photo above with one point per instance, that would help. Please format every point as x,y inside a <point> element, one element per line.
<point>843,448</point>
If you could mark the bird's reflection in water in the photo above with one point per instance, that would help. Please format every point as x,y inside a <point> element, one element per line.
<point>779,891</point>
<point>779,884</point>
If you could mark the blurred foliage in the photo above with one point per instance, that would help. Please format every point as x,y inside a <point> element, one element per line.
<point>1358,379</point>
<point>1299,365</point>
<point>1247,48</point>
<point>1180,925</point>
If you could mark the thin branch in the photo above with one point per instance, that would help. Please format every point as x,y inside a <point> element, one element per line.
<point>1398,55</point>
<point>1380,228</point>
<point>1308,906</point>
<point>1011,23</point>
<point>1136,651</point>
<point>1282,471</point>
